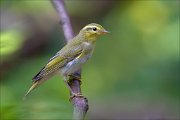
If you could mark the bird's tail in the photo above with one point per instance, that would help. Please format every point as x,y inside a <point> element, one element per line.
<point>35,84</point>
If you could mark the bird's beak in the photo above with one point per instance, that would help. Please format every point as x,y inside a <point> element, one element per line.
<point>104,32</point>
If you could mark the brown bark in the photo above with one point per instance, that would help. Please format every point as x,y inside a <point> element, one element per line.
<point>80,103</point>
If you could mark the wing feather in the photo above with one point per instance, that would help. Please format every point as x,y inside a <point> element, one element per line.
<point>59,60</point>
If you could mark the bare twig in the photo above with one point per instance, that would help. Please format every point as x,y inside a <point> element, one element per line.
<point>80,104</point>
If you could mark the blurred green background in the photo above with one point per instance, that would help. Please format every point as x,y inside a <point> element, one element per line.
<point>133,74</point>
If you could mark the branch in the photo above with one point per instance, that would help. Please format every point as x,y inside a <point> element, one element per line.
<point>64,19</point>
<point>80,104</point>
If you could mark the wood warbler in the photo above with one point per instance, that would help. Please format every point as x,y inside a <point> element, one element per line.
<point>71,57</point>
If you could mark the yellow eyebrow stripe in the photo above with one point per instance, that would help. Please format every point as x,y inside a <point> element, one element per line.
<point>90,27</point>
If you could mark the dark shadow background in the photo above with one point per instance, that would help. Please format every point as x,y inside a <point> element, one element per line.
<point>133,74</point>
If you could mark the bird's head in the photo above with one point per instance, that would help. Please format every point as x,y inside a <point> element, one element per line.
<point>93,30</point>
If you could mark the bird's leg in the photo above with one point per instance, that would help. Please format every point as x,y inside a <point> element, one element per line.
<point>66,80</point>
<point>72,76</point>
<point>76,95</point>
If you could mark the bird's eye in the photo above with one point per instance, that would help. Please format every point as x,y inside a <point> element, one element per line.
<point>94,29</point>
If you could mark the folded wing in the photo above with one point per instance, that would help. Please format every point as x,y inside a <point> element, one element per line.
<point>59,60</point>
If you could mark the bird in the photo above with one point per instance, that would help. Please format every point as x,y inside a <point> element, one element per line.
<point>71,57</point>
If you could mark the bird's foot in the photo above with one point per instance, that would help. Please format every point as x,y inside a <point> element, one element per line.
<point>71,77</point>
<point>74,95</point>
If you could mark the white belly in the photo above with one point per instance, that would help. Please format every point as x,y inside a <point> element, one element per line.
<point>74,65</point>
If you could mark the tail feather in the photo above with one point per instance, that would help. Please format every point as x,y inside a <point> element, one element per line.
<point>37,80</point>
<point>38,76</point>
<point>35,84</point>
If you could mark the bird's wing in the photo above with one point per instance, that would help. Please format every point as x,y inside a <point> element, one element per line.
<point>64,56</point>
<point>59,60</point>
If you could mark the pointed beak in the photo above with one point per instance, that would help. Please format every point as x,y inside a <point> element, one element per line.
<point>104,32</point>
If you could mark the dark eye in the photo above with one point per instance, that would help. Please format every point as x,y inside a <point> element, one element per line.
<point>94,29</point>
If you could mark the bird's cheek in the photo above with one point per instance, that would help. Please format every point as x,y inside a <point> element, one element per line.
<point>88,35</point>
